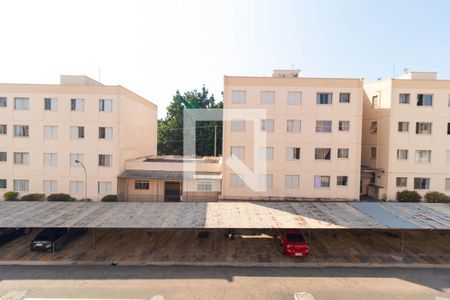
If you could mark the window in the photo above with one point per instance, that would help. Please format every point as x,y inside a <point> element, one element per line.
<point>3,102</point>
<point>448,100</point>
<point>403,99</point>
<point>236,180</point>
<point>292,153</point>
<point>21,103</point>
<point>21,185</point>
<point>423,156</point>
<point>104,160</point>
<point>21,158</point>
<point>267,97</point>
<point>448,128</point>
<point>344,125</point>
<point>3,156</point>
<point>266,153</point>
<point>375,102</point>
<point>448,156</point>
<point>324,98</point>
<point>50,186</point>
<point>323,126</point>
<point>373,127</point>
<point>204,186</point>
<point>344,97</point>
<point>77,132</point>
<point>423,128</point>
<point>50,104</point>
<point>342,180</point>
<point>267,125</point>
<point>238,151</point>
<point>21,131</point>
<point>105,105</point>
<point>401,181</point>
<point>294,125</point>
<point>141,185</point>
<point>76,187</point>
<point>3,129</point>
<point>291,181</point>
<point>3,184</point>
<point>294,98</point>
<point>447,184</point>
<point>237,125</point>
<point>321,181</point>
<point>265,181</point>
<point>421,183</point>
<point>50,159</point>
<point>105,133</point>
<point>373,152</point>
<point>76,157</point>
<point>77,105</point>
<point>104,187</point>
<point>50,132</point>
<point>403,126</point>
<point>323,153</point>
<point>402,154</point>
<point>424,100</point>
<point>238,97</point>
<point>342,153</point>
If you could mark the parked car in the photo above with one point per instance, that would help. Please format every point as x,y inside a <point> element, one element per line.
<point>9,234</point>
<point>292,242</point>
<point>54,239</point>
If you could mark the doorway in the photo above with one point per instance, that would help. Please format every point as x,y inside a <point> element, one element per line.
<point>172,191</point>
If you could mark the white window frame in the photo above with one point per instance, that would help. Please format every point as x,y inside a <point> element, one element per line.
<point>3,184</point>
<point>237,125</point>
<point>425,102</point>
<point>344,125</point>
<point>267,125</point>
<point>53,102</point>
<point>3,102</point>
<point>3,156</point>
<point>77,132</point>
<point>425,128</point>
<point>324,126</point>
<point>142,184</point>
<point>21,131</point>
<point>21,103</point>
<point>105,105</point>
<point>76,187</point>
<point>3,129</point>
<point>238,97</point>
<point>105,160</point>
<point>421,158</point>
<point>320,99</point>
<point>266,153</point>
<point>294,98</point>
<point>238,151</point>
<point>21,158</point>
<point>204,186</point>
<point>50,132</point>
<point>293,153</point>
<point>50,186</point>
<point>401,182</point>
<point>294,126</point>
<point>341,179</point>
<point>403,126</point>
<point>322,153</point>
<point>292,181</point>
<point>402,154</point>
<point>404,98</point>
<point>74,157</point>
<point>347,94</point>
<point>236,180</point>
<point>343,153</point>
<point>50,159</point>
<point>107,133</point>
<point>21,185</point>
<point>267,97</point>
<point>104,187</point>
<point>421,181</point>
<point>322,181</point>
<point>265,181</point>
<point>77,105</point>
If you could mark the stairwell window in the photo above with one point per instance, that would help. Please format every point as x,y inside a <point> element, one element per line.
<point>373,127</point>
<point>324,98</point>
<point>424,100</point>
<point>105,105</point>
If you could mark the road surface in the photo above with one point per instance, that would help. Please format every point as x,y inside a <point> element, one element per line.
<point>167,283</point>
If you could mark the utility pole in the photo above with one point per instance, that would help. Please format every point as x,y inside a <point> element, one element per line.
<point>215,141</point>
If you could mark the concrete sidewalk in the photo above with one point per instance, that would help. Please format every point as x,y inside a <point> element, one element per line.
<point>338,248</point>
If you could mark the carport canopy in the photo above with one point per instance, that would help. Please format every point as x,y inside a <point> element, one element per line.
<point>226,215</point>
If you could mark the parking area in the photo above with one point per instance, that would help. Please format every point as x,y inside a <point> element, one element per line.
<point>249,247</point>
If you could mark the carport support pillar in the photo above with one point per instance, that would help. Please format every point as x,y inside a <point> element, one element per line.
<point>309,237</point>
<point>402,242</point>
<point>93,237</point>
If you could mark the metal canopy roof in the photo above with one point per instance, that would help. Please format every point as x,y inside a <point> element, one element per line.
<point>167,175</point>
<point>215,215</point>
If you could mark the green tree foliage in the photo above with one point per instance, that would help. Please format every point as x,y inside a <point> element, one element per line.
<point>170,129</point>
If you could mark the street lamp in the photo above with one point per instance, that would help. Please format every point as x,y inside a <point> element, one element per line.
<point>85,178</point>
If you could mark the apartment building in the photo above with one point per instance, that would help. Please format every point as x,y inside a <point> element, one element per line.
<point>313,137</point>
<point>48,133</point>
<point>406,135</point>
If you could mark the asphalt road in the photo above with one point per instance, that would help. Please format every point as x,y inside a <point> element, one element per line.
<point>166,283</point>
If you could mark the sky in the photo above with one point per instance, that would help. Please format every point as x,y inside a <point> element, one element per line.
<point>157,47</point>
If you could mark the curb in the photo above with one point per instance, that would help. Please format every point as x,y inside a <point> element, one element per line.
<point>226,264</point>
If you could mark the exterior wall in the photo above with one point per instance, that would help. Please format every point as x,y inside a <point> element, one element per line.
<point>122,145</point>
<point>438,142</point>
<point>307,139</point>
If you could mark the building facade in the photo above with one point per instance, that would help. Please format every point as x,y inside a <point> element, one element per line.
<point>406,135</point>
<point>312,128</point>
<point>48,132</point>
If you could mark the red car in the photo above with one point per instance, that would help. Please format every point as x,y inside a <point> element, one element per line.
<point>292,242</point>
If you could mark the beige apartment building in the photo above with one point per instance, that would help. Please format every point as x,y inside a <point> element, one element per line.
<point>313,137</point>
<point>48,132</point>
<point>406,135</point>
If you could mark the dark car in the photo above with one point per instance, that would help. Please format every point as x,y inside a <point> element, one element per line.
<point>9,234</point>
<point>54,239</point>
<point>292,242</point>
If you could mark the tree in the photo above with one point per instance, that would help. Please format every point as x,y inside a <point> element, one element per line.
<point>170,129</point>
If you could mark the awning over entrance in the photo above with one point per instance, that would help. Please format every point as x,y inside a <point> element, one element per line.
<point>216,215</point>
<point>168,175</point>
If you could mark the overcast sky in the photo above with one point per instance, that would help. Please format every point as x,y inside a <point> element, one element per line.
<point>157,47</point>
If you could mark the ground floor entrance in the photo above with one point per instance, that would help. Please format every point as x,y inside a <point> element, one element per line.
<point>172,191</point>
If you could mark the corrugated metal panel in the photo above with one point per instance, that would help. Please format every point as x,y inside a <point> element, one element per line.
<point>261,215</point>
